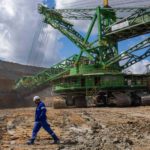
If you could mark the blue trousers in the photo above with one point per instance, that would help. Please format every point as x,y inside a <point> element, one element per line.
<point>46,126</point>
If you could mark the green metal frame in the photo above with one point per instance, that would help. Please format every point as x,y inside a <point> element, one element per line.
<point>94,51</point>
<point>44,77</point>
<point>138,24</point>
<point>100,55</point>
<point>105,48</point>
<point>130,56</point>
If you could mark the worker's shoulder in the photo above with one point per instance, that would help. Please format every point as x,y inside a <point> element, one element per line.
<point>42,104</point>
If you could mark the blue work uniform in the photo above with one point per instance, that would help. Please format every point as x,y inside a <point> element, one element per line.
<point>41,121</point>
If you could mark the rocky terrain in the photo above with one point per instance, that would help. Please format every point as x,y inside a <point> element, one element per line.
<point>79,129</point>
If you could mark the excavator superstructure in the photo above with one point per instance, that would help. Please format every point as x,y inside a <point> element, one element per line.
<point>96,73</point>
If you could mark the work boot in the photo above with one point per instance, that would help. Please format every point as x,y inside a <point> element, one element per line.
<point>56,142</point>
<point>30,142</point>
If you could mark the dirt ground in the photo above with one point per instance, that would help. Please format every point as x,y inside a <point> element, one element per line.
<point>79,129</point>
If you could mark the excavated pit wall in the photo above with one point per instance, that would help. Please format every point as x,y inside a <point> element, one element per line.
<point>9,72</point>
<point>12,99</point>
<point>7,96</point>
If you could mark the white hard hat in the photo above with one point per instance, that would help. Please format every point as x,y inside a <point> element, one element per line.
<point>36,98</point>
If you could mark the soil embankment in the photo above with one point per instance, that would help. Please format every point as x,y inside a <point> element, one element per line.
<point>9,73</point>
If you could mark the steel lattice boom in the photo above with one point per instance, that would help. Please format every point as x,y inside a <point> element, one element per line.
<point>99,57</point>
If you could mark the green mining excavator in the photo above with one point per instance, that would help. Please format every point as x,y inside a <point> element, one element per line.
<point>95,75</point>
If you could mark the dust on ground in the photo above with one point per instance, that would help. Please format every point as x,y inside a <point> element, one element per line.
<point>79,129</point>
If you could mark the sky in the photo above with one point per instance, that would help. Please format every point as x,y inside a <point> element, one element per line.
<point>25,39</point>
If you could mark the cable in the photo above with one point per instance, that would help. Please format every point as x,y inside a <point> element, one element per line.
<point>83,5</point>
<point>127,2</point>
<point>41,44</point>
<point>131,2</point>
<point>32,49</point>
<point>90,4</point>
<point>77,2</point>
<point>38,46</point>
<point>46,43</point>
<point>87,3</point>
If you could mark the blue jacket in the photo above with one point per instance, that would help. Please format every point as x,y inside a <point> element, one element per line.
<point>40,113</point>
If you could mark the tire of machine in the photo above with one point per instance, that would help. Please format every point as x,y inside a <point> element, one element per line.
<point>121,100</point>
<point>145,100</point>
<point>80,101</point>
<point>70,101</point>
<point>136,101</point>
<point>101,100</point>
<point>59,103</point>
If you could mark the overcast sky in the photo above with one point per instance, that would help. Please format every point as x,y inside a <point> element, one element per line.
<point>20,25</point>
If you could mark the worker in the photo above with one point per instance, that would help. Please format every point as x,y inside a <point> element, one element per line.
<point>41,121</point>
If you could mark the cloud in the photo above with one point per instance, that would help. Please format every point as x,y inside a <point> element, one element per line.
<point>48,46</point>
<point>138,68</point>
<point>19,23</point>
<point>19,27</point>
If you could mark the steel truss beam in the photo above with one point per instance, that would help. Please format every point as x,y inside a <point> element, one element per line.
<point>45,76</point>
<point>87,14</point>
<point>130,56</point>
<point>136,59</point>
<point>103,51</point>
<point>136,24</point>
